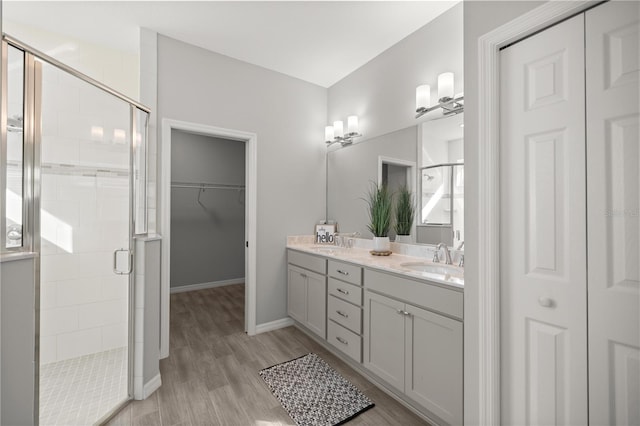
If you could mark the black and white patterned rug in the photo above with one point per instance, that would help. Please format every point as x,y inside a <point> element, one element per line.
<point>313,393</point>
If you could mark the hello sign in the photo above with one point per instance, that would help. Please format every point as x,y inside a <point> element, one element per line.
<point>324,234</point>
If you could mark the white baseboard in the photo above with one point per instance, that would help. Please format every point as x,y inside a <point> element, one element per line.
<point>151,386</point>
<point>274,325</point>
<point>202,286</point>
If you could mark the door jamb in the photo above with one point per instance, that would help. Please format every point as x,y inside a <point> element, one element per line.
<point>488,224</point>
<point>251,155</point>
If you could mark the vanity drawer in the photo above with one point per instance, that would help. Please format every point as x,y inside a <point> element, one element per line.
<point>419,293</point>
<point>307,261</point>
<point>345,314</point>
<point>344,340</point>
<point>345,272</point>
<point>344,291</point>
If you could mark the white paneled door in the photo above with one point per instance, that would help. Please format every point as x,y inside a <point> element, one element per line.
<point>543,222</point>
<point>613,189</point>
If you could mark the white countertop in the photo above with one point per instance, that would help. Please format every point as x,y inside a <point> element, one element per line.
<point>392,263</point>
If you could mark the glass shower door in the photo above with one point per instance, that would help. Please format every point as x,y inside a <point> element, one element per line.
<point>85,228</point>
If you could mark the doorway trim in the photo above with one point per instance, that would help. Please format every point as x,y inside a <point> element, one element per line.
<point>488,249</point>
<point>411,176</point>
<point>251,180</point>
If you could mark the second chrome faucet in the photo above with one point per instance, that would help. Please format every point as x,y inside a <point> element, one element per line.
<point>447,254</point>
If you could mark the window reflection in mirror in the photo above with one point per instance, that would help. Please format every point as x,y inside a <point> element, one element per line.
<point>442,182</point>
<point>13,157</point>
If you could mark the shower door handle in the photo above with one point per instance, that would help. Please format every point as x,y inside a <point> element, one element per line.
<point>120,256</point>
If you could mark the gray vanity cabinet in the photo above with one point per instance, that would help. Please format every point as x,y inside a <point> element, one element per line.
<point>307,291</point>
<point>414,349</point>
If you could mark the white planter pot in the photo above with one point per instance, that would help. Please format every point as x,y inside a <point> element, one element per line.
<point>404,239</point>
<point>381,244</point>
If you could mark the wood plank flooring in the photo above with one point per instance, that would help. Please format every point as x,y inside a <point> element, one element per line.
<point>211,375</point>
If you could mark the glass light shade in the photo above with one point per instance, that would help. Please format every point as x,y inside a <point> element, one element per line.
<point>445,85</point>
<point>352,124</point>
<point>97,133</point>
<point>119,136</point>
<point>423,97</point>
<point>338,129</point>
<point>328,134</point>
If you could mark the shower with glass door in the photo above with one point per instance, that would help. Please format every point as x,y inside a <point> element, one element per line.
<point>74,192</point>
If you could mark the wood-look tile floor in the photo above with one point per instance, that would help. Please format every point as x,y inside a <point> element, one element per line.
<point>211,375</point>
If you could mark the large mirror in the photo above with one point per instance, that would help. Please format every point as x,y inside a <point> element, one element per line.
<point>351,170</point>
<point>397,158</point>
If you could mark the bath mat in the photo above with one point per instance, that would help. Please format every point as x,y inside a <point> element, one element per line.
<point>313,393</point>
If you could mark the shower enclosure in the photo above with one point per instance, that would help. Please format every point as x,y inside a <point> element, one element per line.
<point>442,204</point>
<point>73,187</point>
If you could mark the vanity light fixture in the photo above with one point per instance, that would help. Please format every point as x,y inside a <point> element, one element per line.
<point>335,134</point>
<point>451,104</point>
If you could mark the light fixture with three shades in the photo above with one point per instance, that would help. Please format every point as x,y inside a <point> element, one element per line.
<point>449,103</point>
<point>335,134</point>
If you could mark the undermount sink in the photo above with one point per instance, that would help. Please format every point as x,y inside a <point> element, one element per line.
<point>448,271</point>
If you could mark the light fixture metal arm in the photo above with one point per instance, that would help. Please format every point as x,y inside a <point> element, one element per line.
<point>450,106</point>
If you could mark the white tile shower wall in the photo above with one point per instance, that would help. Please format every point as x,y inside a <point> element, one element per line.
<point>85,218</point>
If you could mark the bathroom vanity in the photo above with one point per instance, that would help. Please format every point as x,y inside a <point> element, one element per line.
<point>398,320</point>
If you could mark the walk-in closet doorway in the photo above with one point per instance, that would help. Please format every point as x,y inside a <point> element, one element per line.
<point>208,214</point>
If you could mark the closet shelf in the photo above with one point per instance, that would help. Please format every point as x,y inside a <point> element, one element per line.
<point>204,185</point>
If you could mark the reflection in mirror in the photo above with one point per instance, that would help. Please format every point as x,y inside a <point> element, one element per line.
<point>441,204</point>
<point>352,169</point>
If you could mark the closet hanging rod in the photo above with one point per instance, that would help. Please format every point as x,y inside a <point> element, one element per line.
<point>206,185</point>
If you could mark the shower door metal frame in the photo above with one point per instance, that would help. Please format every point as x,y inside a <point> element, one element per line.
<point>32,185</point>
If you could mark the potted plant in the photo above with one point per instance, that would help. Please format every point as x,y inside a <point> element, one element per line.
<point>380,207</point>
<point>404,213</point>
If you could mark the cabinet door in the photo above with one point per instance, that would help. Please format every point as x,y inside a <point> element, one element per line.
<point>297,294</point>
<point>317,304</point>
<point>433,363</point>
<point>384,338</point>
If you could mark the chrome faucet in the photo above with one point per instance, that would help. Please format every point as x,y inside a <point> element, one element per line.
<point>447,254</point>
<point>345,239</point>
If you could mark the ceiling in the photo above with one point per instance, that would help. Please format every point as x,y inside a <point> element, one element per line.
<point>316,41</point>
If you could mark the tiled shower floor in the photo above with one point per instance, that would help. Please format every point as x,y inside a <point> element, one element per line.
<point>79,391</point>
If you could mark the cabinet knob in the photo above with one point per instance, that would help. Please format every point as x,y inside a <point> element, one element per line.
<point>546,302</point>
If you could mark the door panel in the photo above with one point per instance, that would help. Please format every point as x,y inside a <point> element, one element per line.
<point>613,184</point>
<point>384,338</point>
<point>437,383</point>
<point>85,216</point>
<point>543,259</point>
<point>317,303</point>
<point>297,295</point>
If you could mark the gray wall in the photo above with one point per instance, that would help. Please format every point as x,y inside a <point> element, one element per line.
<point>479,18</point>
<point>18,339</point>
<point>207,238</point>
<point>352,170</point>
<point>382,92</point>
<point>288,115</point>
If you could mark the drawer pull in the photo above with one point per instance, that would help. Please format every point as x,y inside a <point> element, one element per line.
<point>341,340</point>
<point>303,275</point>
<point>342,314</point>
<point>342,272</point>
<point>403,312</point>
<point>342,291</point>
